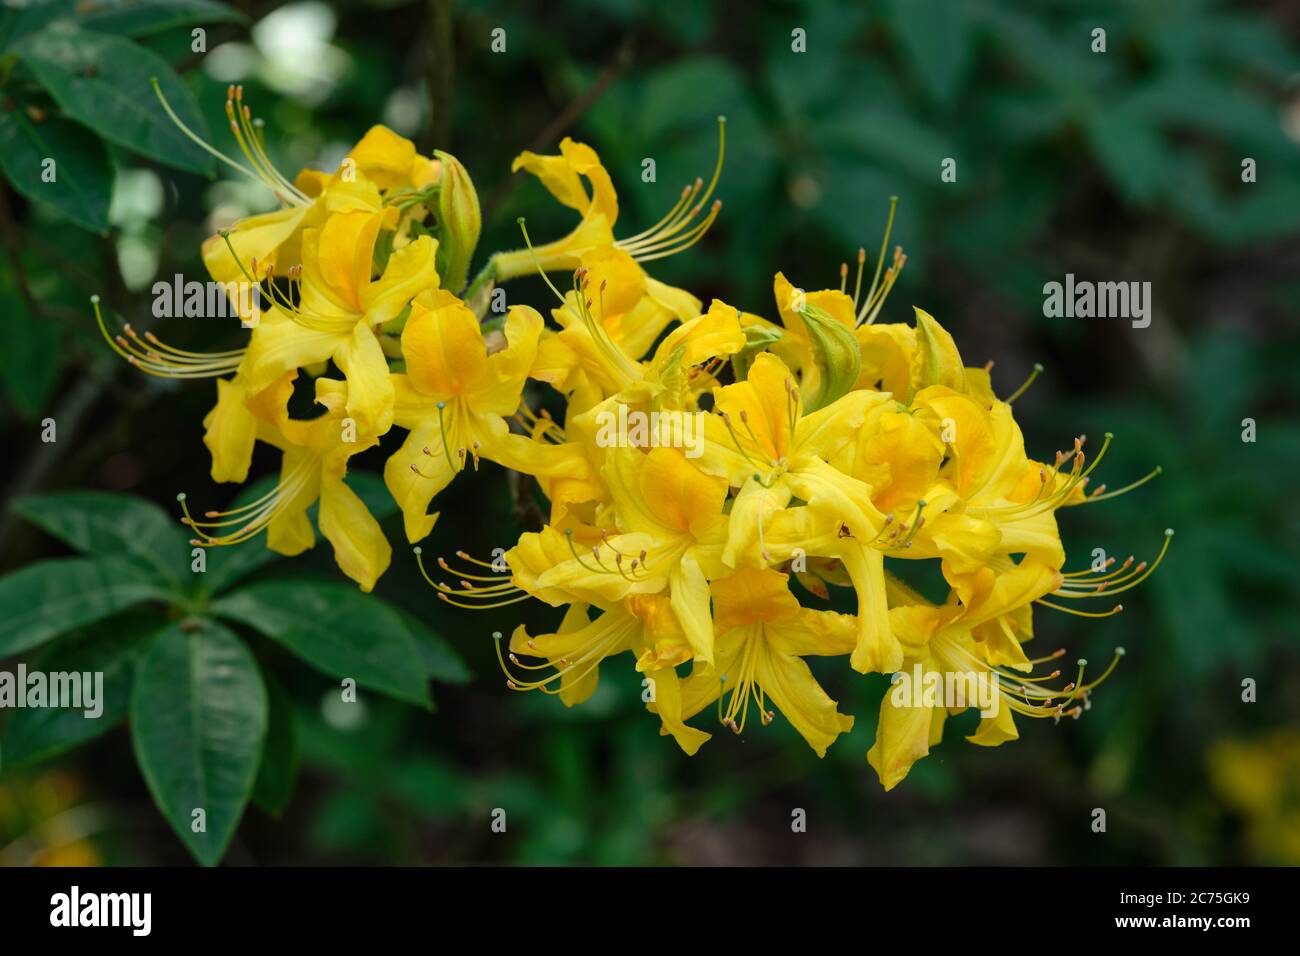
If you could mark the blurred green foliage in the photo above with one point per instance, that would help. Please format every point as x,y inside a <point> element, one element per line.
<point>1123,165</point>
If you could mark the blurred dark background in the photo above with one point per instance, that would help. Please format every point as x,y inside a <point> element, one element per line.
<point>1117,166</point>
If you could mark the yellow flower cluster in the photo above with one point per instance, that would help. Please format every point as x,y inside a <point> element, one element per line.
<point>706,456</point>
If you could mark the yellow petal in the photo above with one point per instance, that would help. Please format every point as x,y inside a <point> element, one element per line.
<point>667,704</point>
<point>411,270</point>
<point>997,729</point>
<point>414,478</point>
<point>507,370</point>
<point>384,157</point>
<point>679,496</point>
<point>229,431</point>
<point>278,345</point>
<point>257,237</point>
<point>902,738</point>
<point>290,532</point>
<point>360,548</point>
<point>877,648</point>
<point>370,392</point>
<point>336,261</point>
<point>443,347</point>
<point>751,596</point>
<point>690,602</point>
<point>800,699</point>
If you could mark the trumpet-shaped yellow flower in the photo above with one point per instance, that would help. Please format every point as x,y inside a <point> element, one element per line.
<point>315,454</point>
<point>454,399</point>
<point>339,308</point>
<point>642,624</point>
<point>763,634</point>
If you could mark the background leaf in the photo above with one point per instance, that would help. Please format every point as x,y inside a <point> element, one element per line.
<point>279,767</point>
<point>33,734</point>
<point>103,82</point>
<point>198,722</point>
<point>49,598</point>
<point>83,175</point>
<point>105,524</point>
<point>29,361</point>
<point>338,630</point>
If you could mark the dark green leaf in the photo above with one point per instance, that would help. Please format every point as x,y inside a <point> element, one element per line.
<point>279,769</point>
<point>104,82</point>
<point>198,722</point>
<point>441,661</point>
<point>126,17</point>
<point>337,629</point>
<point>935,33</point>
<point>103,523</point>
<point>49,598</point>
<point>37,733</point>
<point>1130,150</point>
<point>30,359</point>
<point>59,164</point>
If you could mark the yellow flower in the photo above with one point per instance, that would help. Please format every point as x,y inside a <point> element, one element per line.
<point>762,637</point>
<point>640,306</point>
<point>454,399</point>
<point>642,624</point>
<point>315,454</point>
<point>338,308</point>
<point>667,535</point>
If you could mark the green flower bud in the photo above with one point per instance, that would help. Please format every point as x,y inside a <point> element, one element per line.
<point>459,222</point>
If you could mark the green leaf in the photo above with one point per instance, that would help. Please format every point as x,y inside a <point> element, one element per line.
<point>442,662</point>
<point>33,734</point>
<point>103,523</point>
<point>936,35</point>
<point>31,358</point>
<point>125,17</point>
<point>338,630</point>
<point>198,722</point>
<point>82,174</point>
<point>279,770</point>
<point>49,598</point>
<point>1130,150</point>
<point>104,82</point>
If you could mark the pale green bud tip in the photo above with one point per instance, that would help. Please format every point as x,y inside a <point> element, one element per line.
<point>496,635</point>
<point>94,299</point>
<point>417,550</point>
<point>181,496</point>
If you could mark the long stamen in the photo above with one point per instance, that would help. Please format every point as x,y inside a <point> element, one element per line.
<point>1038,370</point>
<point>880,261</point>
<point>152,356</point>
<point>1099,496</point>
<point>666,238</point>
<point>1106,589</point>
